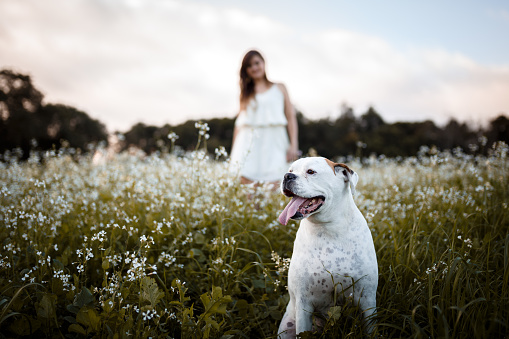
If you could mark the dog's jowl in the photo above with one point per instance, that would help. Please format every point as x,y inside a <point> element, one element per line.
<point>333,253</point>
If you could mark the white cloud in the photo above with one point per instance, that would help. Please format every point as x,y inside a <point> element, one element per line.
<point>168,61</point>
<point>499,14</point>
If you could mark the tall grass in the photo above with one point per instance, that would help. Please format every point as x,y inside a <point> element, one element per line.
<point>168,246</point>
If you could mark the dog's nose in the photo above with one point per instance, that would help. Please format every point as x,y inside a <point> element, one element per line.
<point>290,176</point>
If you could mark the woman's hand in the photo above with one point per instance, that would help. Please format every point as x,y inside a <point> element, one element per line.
<point>292,154</point>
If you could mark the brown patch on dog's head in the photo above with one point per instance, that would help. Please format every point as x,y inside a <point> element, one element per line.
<point>333,165</point>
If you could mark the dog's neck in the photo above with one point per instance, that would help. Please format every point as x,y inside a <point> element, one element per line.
<point>338,221</point>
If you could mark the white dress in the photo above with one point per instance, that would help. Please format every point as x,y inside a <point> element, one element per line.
<point>259,150</point>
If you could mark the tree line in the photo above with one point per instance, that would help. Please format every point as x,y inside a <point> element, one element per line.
<point>346,135</point>
<point>26,123</point>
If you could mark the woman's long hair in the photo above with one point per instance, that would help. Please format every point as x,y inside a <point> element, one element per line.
<point>247,89</point>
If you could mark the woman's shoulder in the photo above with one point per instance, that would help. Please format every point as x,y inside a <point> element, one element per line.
<point>283,90</point>
<point>281,86</point>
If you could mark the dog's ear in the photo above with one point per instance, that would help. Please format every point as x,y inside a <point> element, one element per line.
<point>348,174</point>
<point>353,178</point>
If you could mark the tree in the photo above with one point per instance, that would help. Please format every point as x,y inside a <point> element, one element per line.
<point>67,123</point>
<point>371,120</point>
<point>19,102</point>
<point>456,134</point>
<point>141,136</point>
<point>23,118</point>
<point>498,130</point>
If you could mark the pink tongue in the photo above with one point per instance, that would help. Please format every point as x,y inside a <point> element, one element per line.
<point>290,209</point>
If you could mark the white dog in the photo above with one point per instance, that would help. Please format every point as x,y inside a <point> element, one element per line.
<point>333,249</point>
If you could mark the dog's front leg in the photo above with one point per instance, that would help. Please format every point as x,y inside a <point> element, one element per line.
<point>287,326</point>
<point>368,307</point>
<point>303,317</point>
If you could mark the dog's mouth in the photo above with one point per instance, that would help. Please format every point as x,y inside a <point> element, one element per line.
<point>300,207</point>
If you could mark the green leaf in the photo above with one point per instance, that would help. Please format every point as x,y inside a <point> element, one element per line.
<point>84,298</point>
<point>3,301</point>
<point>57,286</point>
<point>64,258</point>
<point>95,320</point>
<point>77,329</point>
<point>241,304</point>
<point>108,305</point>
<point>46,307</point>
<point>58,265</point>
<point>70,319</point>
<point>199,238</point>
<point>215,303</point>
<point>334,314</point>
<point>276,314</point>
<point>150,291</point>
<point>213,323</point>
<point>243,307</point>
<point>197,254</point>
<point>73,309</point>
<point>82,317</point>
<point>88,317</point>
<point>106,264</point>
<point>217,292</point>
<point>23,324</point>
<point>258,284</point>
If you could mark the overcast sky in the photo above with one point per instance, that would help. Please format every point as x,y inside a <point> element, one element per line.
<point>166,61</point>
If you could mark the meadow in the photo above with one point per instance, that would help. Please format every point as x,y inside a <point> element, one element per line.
<point>172,246</point>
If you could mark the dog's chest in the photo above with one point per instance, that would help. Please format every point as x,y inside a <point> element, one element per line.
<point>321,261</point>
<point>325,256</point>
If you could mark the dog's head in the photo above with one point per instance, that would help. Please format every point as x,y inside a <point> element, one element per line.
<point>314,184</point>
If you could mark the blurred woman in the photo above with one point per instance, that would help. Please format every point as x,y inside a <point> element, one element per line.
<point>265,138</point>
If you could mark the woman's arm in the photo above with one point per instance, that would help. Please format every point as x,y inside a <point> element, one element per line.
<point>235,128</point>
<point>293,133</point>
<point>235,132</point>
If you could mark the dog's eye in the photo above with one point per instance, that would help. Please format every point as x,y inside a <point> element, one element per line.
<point>310,171</point>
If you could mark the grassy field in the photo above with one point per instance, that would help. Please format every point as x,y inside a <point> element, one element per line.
<point>170,247</point>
